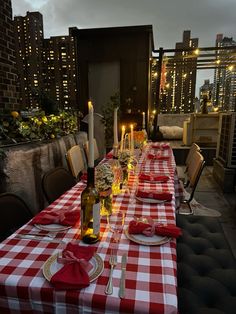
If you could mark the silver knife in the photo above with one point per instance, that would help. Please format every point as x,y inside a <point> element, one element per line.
<point>122,279</point>
<point>39,237</point>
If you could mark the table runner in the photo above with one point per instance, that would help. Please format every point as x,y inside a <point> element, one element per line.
<point>151,270</point>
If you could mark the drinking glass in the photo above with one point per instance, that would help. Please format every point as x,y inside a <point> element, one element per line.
<point>116,222</point>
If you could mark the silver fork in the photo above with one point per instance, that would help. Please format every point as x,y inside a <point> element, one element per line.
<point>113,263</point>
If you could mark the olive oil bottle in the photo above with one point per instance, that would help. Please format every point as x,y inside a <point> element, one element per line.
<point>90,211</point>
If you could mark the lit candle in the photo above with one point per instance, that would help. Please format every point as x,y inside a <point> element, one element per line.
<point>122,138</point>
<point>90,135</point>
<point>132,139</point>
<point>115,128</point>
<point>143,120</point>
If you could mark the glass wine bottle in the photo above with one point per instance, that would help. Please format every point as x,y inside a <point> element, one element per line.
<point>90,211</point>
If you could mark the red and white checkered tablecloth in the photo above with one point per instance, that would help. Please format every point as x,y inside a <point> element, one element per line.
<point>151,282</point>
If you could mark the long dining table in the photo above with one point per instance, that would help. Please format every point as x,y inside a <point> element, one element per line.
<point>150,278</point>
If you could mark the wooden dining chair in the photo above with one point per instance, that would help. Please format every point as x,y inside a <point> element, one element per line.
<point>96,151</point>
<point>194,172</point>
<point>182,171</point>
<point>14,214</point>
<point>56,182</point>
<point>75,161</point>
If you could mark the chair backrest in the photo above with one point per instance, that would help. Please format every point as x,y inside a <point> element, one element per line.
<point>194,148</point>
<point>195,168</point>
<point>75,160</point>
<point>96,151</point>
<point>14,214</point>
<point>56,182</point>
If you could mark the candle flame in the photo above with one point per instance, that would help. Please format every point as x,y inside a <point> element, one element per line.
<point>123,128</point>
<point>90,105</point>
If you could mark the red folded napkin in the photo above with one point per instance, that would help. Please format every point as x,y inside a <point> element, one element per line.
<point>165,196</point>
<point>149,177</point>
<point>168,230</point>
<point>74,273</point>
<point>160,146</point>
<point>157,157</point>
<point>63,216</point>
<point>84,176</point>
<point>139,227</point>
<point>149,228</point>
<point>165,146</point>
<point>109,155</point>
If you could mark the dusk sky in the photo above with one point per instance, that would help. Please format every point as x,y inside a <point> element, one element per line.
<point>205,18</point>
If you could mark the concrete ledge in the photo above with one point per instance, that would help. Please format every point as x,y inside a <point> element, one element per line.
<point>25,164</point>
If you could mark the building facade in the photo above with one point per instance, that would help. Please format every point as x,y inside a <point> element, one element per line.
<point>206,90</point>
<point>46,67</point>
<point>179,77</point>
<point>29,43</point>
<point>112,61</point>
<point>224,93</point>
<point>59,70</point>
<point>8,78</point>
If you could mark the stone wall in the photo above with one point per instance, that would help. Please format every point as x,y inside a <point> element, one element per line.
<point>24,165</point>
<point>8,92</point>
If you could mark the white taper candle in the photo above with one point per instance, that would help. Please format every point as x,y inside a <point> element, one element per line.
<point>91,135</point>
<point>143,120</point>
<point>132,139</point>
<point>115,131</point>
<point>122,138</point>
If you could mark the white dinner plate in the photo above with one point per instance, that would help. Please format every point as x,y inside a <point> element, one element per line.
<point>52,227</point>
<point>144,240</point>
<point>51,266</point>
<point>150,200</point>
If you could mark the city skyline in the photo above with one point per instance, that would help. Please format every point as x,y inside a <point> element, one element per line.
<point>205,19</point>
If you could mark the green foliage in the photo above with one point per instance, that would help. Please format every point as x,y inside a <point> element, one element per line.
<point>108,117</point>
<point>39,126</point>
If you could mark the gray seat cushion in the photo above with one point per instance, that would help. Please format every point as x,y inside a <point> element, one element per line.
<point>206,268</point>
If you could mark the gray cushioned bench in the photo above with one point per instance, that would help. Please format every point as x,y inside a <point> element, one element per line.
<point>206,268</point>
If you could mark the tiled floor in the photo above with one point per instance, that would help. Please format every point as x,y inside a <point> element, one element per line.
<point>209,194</point>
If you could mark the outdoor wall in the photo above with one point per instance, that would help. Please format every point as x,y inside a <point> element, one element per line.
<point>8,92</point>
<point>172,119</point>
<point>22,168</point>
<point>115,59</point>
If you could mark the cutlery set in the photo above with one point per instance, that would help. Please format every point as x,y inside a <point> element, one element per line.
<point>39,237</point>
<point>112,260</point>
<point>113,263</point>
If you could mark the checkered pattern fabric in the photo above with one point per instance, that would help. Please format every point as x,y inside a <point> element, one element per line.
<point>151,270</point>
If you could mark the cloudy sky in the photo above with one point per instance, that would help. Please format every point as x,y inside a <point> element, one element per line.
<point>205,18</point>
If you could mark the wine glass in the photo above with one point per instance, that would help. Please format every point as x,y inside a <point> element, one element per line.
<point>133,188</point>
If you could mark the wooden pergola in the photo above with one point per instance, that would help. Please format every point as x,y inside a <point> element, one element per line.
<point>204,58</point>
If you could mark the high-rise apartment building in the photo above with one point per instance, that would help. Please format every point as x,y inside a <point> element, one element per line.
<point>206,90</point>
<point>46,67</point>
<point>224,94</point>
<point>59,70</point>
<point>177,95</point>
<point>29,42</point>
<point>8,91</point>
